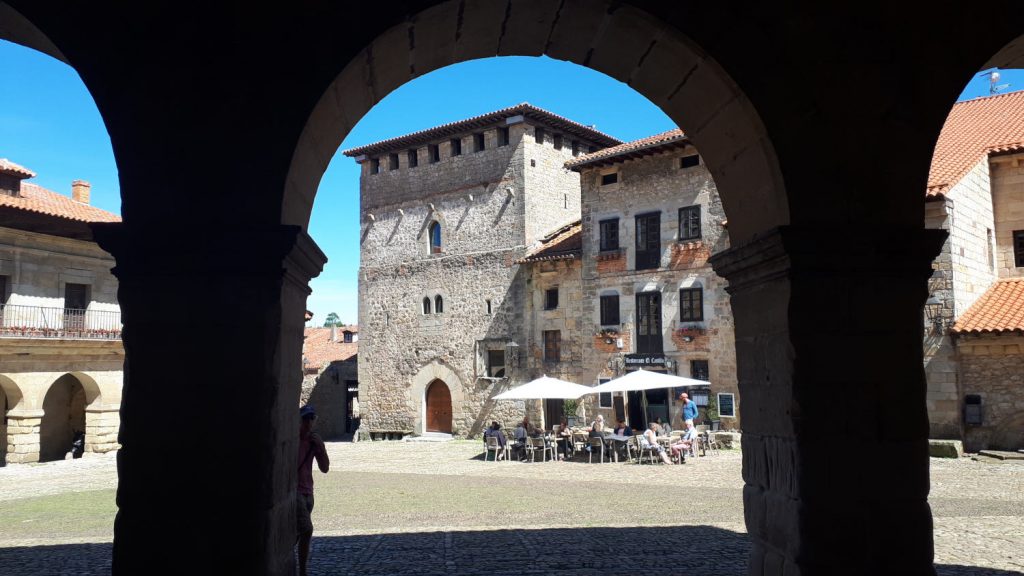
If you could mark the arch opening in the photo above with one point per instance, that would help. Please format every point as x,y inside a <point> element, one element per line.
<point>438,403</point>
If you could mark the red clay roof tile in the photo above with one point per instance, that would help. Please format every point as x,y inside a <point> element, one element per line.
<point>1000,309</point>
<point>670,137</point>
<point>973,130</point>
<point>318,350</point>
<point>38,199</point>
<point>565,243</point>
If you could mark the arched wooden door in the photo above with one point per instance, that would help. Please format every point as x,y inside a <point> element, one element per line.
<point>439,407</point>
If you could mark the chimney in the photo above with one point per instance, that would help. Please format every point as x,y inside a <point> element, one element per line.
<point>334,333</point>
<point>80,191</point>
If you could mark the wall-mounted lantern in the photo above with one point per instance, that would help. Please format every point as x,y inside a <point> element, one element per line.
<point>933,310</point>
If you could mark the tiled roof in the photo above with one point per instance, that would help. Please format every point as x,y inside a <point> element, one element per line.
<point>40,200</point>
<point>1000,309</point>
<point>484,120</point>
<point>566,243</point>
<point>973,130</point>
<point>318,350</point>
<point>671,138</point>
<point>15,169</point>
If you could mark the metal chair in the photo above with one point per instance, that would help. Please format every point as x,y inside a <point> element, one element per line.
<point>533,445</point>
<point>645,448</point>
<point>596,444</point>
<point>495,446</point>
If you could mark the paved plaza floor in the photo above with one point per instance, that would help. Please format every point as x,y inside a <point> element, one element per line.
<point>437,508</point>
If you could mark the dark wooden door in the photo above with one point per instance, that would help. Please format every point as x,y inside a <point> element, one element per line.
<point>648,241</point>
<point>76,300</point>
<point>648,323</point>
<point>439,408</point>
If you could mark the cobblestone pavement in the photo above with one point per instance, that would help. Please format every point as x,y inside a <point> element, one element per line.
<point>436,508</point>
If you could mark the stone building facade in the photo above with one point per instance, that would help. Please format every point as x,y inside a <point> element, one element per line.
<point>446,215</point>
<point>483,267</point>
<point>60,328</point>
<point>651,219</point>
<point>976,194</point>
<point>330,378</point>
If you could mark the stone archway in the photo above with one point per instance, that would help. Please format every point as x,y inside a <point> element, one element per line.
<point>441,374</point>
<point>4,407</point>
<point>63,416</point>
<point>665,66</point>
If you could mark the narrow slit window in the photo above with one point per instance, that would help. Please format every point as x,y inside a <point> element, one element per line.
<point>435,238</point>
<point>426,305</point>
<point>488,307</point>
<point>538,135</point>
<point>438,304</point>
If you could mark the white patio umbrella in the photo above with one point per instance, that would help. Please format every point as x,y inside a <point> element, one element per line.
<point>543,388</point>
<point>643,380</point>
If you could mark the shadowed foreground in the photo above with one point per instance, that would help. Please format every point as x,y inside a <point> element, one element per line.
<point>555,552</point>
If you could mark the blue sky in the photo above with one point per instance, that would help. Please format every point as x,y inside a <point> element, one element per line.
<point>52,127</point>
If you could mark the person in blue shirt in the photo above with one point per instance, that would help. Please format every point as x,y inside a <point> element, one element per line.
<point>689,409</point>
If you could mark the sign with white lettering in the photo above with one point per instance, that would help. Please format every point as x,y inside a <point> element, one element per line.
<point>645,361</point>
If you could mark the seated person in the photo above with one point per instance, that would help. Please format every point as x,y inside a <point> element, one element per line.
<point>666,428</point>
<point>531,430</point>
<point>684,444</point>
<point>622,430</point>
<point>657,427</point>
<point>650,440</point>
<point>495,430</point>
<point>519,446</point>
<point>596,429</point>
<point>566,444</point>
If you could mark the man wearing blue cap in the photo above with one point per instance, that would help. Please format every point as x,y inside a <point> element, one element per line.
<point>310,446</point>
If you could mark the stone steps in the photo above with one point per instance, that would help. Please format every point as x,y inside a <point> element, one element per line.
<point>1002,454</point>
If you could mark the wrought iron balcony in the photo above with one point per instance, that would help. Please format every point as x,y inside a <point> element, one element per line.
<point>17,321</point>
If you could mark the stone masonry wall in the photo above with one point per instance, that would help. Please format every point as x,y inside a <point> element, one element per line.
<point>940,361</point>
<point>971,228</point>
<point>38,267</point>
<point>992,366</point>
<point>1007,174</point>
<point>481,200</point>
<point>554,191</point>
<point>657,183</point>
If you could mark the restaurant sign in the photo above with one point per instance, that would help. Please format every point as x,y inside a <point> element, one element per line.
<point>645,361</point>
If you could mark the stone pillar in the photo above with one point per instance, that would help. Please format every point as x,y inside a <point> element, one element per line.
<point>101,425</point>
<point>829,359</point>
<point>213,320</point>
<point>23,435</point>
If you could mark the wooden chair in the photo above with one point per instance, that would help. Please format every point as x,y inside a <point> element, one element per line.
<point>596,444</point>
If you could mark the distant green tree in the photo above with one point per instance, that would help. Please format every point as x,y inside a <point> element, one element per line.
<point>332,320</point>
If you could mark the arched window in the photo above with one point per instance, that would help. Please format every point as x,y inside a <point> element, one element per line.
<point>435,238</point>
<point>426,304</point>
<point>438,304</point>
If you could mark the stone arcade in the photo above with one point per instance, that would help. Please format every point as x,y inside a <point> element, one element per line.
<point>227,122</point>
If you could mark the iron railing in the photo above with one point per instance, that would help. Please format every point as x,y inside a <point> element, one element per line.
<point>18,321</point>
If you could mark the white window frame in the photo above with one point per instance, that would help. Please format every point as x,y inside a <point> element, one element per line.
<point>733,404</point>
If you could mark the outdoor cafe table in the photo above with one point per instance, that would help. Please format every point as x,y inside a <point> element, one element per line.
<point>617,438</point>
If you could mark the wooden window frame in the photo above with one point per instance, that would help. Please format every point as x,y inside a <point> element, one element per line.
<point>605,243</point>
<point>1018,248</point>
<point>414,159</point>
<point>610,314</point>
<point>548,298</point>
<point>691,309</point>
<point>552,345</point>
<point>690,227</point>
<point>609,178</point>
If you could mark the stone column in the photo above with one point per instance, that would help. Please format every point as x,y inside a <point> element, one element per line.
<point>23,435</point>
<point>213,320</point>
<point>829,359</point>
<point>101,425</point>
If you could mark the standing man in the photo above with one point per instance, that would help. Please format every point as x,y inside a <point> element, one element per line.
<point>689,409</point>
<point>310,446</point>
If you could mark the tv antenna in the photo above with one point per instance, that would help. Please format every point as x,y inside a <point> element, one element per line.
<point>994,87</point>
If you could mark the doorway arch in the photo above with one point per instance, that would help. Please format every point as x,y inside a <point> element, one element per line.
<point>63,416</point>
<point>437,402</point>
